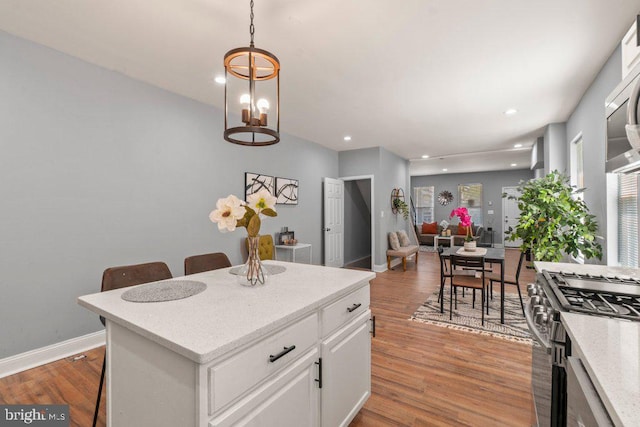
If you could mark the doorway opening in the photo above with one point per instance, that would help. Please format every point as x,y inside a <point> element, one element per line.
<point>359,240</point>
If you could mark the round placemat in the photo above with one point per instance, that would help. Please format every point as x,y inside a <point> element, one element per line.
<point>271,269</point>
<point>167,290</point>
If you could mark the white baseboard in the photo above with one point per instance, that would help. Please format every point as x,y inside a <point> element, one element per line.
<point>380,268</point>
<point>41,356</point>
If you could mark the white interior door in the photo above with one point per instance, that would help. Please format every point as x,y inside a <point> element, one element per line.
<point>333,222</point>
<point>510,216</point>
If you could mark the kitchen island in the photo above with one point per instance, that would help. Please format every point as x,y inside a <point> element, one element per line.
<point>295,351</point>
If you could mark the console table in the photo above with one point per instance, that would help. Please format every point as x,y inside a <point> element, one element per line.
<point>437,238</point>
<point>290,252</point>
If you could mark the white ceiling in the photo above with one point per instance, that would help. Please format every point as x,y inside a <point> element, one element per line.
<point>414,76</point>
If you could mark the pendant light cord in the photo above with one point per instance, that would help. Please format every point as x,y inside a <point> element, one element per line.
<point>251,27</point>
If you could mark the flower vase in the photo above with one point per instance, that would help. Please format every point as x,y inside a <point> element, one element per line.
<point>253,272</point>
<point>470,246</point>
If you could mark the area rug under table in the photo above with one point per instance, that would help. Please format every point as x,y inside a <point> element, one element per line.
<point>468,319</point>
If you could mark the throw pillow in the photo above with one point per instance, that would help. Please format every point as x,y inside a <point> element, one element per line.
<point>462,230</point>
<point>404,239</point>
<point>393,241</point>
<point>429,228</point>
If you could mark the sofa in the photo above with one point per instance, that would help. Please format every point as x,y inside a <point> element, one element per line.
<point>458,239</point>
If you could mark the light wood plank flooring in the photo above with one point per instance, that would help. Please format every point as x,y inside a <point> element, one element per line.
<point>422,375</point>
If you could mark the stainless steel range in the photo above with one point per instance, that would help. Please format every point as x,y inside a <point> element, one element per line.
<point>556,292</point>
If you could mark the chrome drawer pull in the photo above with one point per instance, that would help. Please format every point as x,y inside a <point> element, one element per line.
<point>286,350</point>
<point>353,307</point>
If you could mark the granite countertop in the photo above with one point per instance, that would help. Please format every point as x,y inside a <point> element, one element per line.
<point>610,352</point>
<point>227,315</point>
<point>594,269</point>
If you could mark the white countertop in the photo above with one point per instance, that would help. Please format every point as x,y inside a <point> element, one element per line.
<point>227,315</point>
<point>586,269</point>
<point>610,352</point>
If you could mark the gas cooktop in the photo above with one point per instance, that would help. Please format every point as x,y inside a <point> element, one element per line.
<point>612,296</point>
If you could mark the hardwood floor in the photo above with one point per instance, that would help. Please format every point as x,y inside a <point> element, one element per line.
<point>422,375</point>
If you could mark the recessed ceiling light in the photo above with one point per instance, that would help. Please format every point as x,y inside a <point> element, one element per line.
<point>514,164</point>
<point>220,80</point>
<point>517,145</point>
<point>444,170</point>
<point>347,138</point>
<point>510,112</point>
<point>425,156</point>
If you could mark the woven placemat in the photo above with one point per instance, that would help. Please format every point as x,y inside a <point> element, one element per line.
<point>271,269</point>
<point>168,290</point>
<point>477,252</point>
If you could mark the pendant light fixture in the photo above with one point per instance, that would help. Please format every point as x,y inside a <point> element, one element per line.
<point>251,95</point>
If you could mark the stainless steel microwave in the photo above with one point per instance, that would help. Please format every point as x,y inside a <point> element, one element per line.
<point>623,128</point>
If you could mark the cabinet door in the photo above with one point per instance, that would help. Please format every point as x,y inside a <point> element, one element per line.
<point>289,400</point>
<point>346,372</point>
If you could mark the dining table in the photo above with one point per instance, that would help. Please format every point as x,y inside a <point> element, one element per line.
<point>491,256</point>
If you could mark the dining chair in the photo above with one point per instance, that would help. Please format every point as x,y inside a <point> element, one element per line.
<point>266,249</point>
<point>468,272</point>
<point>508,279</point>
<point>205,262</point>
<point>122,277</point>
<point>445,273</point>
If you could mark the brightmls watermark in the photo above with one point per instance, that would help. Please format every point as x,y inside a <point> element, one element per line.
<point>35,415</point>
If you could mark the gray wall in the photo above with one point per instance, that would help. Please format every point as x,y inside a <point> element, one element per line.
<point>589,119</point>
<point>389,171</point>
<point>99,170</point>
<point>555,153</point>
<point>492,183</point>
<point>357,220</point>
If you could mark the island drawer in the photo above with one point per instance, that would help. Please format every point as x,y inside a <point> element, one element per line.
<point>238,374</point>
<point>344,310</point>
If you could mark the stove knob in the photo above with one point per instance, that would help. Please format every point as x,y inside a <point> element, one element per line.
<point>533,289</point>
<point>537,309</point>
<point>542,318</point>
<point>536,300</point>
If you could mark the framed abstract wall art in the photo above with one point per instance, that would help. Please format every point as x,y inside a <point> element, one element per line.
<point>254,182</point>
<point>286,191</point>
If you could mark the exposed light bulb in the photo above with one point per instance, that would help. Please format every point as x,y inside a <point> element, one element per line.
<point>517,146</point>
<point>510,112</point>
<point>514,164</point>
<point>347,138</point>
<point>245,100</point>
<point>445,169</point>
<point>263,105</point>
<point>425,156</point>
<point>220,80</point>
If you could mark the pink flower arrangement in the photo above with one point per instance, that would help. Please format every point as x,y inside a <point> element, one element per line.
<point>465,220</point>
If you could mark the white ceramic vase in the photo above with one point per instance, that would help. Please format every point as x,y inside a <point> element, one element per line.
<point>470,246</point>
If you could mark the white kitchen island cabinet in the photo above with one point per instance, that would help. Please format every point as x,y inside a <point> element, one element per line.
<point>294,352</point>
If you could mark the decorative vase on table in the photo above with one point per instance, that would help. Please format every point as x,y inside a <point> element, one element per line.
<point>253,272</point>
<point>232,212</point>
<point>465,221</point>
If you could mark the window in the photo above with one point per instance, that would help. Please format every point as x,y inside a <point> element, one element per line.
<point>628,220</point>
<point>423,197</point>
<point>470,196</point>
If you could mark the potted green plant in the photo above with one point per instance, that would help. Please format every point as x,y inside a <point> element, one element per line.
<point>553,221</point>
<point>402,207</point>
